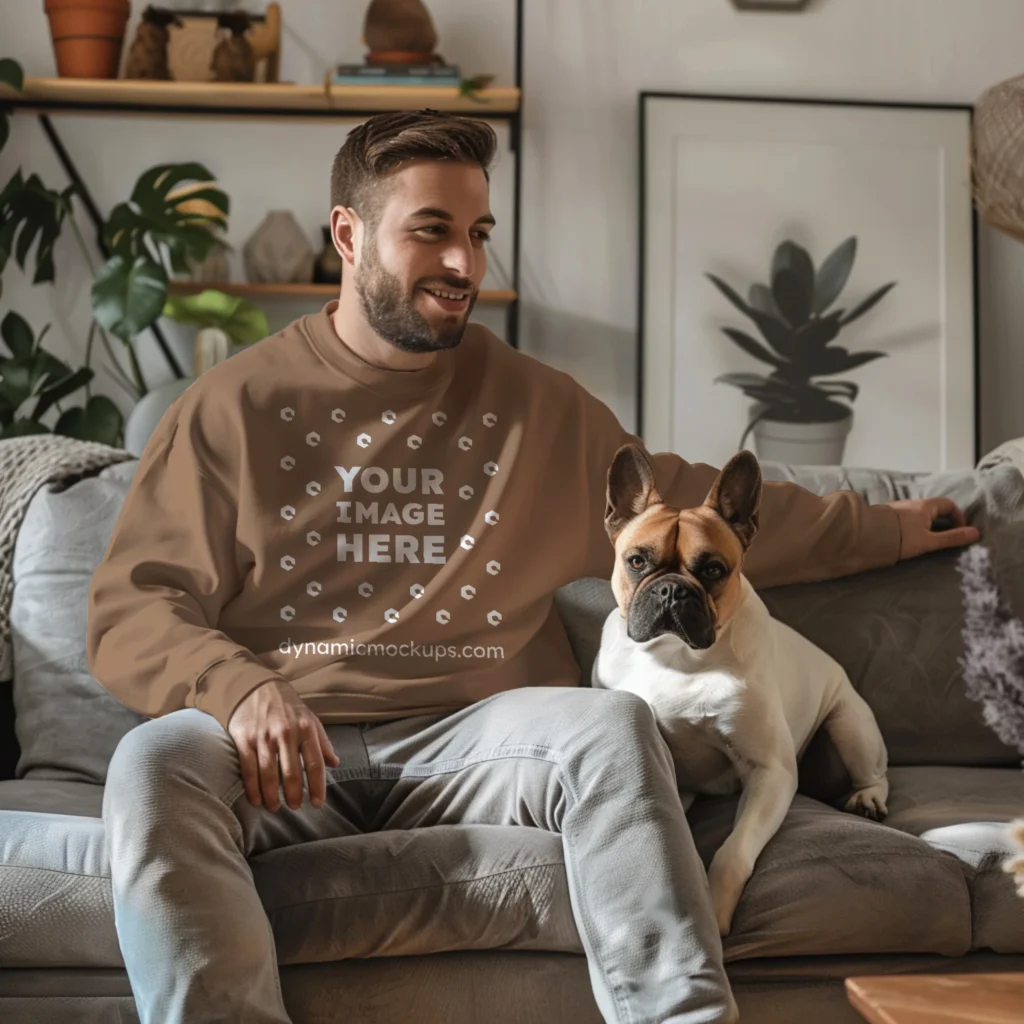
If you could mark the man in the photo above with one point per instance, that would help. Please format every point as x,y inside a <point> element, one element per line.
<point>347,538</point>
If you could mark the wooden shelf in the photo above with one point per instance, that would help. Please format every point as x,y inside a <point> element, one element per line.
<point>322,292</point>
<point>88,95</point>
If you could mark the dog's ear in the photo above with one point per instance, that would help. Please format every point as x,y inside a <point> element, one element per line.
<point>631,488</point>
<point>736,495</point>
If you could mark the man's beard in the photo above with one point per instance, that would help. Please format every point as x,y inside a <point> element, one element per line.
<point>393,314</point>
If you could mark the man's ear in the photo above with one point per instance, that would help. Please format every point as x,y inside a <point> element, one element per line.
<point>345,228</point>
<point>631,488</point>
<point>736,495</point>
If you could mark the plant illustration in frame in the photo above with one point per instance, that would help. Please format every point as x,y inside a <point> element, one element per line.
<point>798,325</point>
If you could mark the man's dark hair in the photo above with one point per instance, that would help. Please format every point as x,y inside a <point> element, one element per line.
<point>378,146</point>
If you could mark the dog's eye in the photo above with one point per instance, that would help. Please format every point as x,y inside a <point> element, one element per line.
<point>713,571</point>
<point>636,561</point>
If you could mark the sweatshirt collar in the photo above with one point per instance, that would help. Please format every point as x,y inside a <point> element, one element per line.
<point>319,329</point>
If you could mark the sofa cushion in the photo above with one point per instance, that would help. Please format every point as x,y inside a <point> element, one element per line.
<point>898,631</point>
<point>964,812</point>
<point>55,902</point>
<point>430,890</point>
<point>67,724</point>
<point>403,893</point>
<point>834,883</point>
<point>383,894</point>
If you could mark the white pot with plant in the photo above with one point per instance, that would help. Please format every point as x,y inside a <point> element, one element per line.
<point>225,322</point>
<point>797,418</point>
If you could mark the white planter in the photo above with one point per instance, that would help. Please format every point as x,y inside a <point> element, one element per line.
<point>148,411</point>
<point>802,444</point>
<point>212,346</point>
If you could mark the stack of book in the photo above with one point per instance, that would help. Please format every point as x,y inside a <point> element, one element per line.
<point>396,74</point>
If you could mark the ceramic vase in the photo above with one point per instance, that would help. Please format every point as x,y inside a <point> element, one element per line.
<point>278,251</point>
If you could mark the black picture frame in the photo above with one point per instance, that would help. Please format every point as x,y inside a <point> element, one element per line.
<point>645,96</point>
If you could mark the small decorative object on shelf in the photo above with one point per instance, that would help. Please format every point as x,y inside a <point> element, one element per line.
<point>328,263</point>
<point>88,36</point>
<point>278,251</point>
<point>397,74</point>
<point>193,42</point>
<point>400,32</point>
<point>234,60</point>
<point>147,56</point>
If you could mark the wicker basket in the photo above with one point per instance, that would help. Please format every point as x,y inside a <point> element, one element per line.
<point>999,156</point>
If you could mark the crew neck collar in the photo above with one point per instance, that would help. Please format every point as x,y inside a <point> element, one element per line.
<point>333,350</point>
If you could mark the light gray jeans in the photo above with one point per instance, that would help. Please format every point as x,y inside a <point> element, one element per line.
<point>587,764</point>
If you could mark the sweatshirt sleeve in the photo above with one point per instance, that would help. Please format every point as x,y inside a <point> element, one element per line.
<point>154,601</point>
<point>803,537</point>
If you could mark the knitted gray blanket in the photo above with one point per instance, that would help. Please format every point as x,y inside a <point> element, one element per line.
<point>26,464</point>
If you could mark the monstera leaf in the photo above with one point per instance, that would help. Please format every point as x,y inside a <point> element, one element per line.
<point>30,211</point>
<point>163,215</point>
<point>128,296</point>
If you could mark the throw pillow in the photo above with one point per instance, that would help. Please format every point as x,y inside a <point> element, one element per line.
<point>66,723</point>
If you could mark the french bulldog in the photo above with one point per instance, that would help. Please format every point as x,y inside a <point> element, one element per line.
<point>737,694</point>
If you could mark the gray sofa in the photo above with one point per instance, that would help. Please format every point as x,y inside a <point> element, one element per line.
<point>473,924</point>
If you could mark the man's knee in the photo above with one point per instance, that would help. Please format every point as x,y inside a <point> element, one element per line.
<point>188,744</point>
<point>614,719</point>
<point>622,712</point>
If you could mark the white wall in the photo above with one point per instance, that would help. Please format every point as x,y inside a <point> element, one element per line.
<point>585,62</point>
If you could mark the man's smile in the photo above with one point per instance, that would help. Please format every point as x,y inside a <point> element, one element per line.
<point>449,299</point>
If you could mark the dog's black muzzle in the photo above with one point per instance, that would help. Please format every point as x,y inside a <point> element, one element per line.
<point>671,604</point>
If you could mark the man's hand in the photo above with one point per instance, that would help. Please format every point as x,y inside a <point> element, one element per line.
<point>271,728</point>
<point>916,517</point>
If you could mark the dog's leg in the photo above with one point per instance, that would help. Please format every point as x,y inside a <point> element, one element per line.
<point>767,794</point>
<point>854,731</point>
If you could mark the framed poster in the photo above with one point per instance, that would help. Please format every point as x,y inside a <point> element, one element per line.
<point>808,282</point>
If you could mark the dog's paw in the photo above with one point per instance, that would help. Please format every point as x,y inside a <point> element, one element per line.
<point>870,801</point>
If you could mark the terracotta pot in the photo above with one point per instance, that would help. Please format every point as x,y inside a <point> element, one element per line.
<point>87,36</point>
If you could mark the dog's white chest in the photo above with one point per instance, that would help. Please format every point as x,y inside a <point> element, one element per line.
<point>696,711</point>
<point>695,719</point>
<point>758,694</point>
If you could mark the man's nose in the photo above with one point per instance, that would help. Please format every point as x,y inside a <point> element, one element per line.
<point>459,259</point>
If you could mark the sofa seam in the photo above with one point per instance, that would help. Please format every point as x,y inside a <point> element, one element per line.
<point>839,860</point>
<point>418,888</point>
<point>54,871</point>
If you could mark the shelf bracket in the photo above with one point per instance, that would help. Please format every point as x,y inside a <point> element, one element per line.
<point>97,220</point>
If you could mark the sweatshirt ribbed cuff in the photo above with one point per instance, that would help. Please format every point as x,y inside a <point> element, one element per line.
<point>225,684</point>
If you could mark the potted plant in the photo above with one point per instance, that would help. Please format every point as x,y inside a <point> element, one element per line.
<point>167,225</point>
<point>87,36</point>
<point>32,380</point>
<point>797,418</point>
<point>224,322</point>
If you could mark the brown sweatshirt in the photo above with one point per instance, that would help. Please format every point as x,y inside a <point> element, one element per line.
<point>389,541</point>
